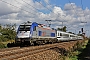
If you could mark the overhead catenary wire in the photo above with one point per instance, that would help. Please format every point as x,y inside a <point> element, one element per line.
<point>43,6</point>
<point>16,6</point>
<point>30,5</point>
<point>47,9</point>
<point>75,11</point>
<point>25,6</point>
<point>56,14</point>
<point>50,6</point>
<point>39,3</point>
<point>73,8</point>
<point>83,9</point>
<point>19,7</point>
<point>81,4</point>
<point>84,15</point>
<point>48,21</point>
<point>48,3</point>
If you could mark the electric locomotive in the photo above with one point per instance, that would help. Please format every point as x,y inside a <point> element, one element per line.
<point>33,33</point>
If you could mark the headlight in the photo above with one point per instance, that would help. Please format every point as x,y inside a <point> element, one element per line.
<point>18,40</point>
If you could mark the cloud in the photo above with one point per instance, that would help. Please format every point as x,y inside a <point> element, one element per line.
<point>19,11</point>
<point>47,1</point>
<point>5,9</point>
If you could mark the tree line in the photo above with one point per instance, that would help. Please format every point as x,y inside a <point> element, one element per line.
<point>7,32</point>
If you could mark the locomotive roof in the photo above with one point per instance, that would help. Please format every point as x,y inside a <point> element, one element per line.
<point>26,23</point>
<point>65,32</point>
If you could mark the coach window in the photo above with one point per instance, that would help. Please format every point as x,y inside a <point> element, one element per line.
<point>58,34</point>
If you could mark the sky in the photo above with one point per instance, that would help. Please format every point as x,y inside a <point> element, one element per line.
<point>74,14</point>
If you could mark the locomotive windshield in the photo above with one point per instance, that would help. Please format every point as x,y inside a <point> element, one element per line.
<point>24,28</point>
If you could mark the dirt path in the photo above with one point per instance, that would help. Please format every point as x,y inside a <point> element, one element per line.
<point>85,55</point>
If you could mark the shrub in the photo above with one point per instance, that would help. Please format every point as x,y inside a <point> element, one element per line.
<point>2,45</point>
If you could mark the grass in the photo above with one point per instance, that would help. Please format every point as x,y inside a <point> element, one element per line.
<point>77,52</point>
<point>73,55</point>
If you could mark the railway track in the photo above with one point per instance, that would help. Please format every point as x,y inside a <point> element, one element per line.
<point>8,49</point>
<point>22,53</point>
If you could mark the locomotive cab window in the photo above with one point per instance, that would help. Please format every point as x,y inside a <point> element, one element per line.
<point>24,28</point>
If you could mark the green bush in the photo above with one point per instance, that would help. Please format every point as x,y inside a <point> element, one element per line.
<point>2,45</point>
<point>7,33</point>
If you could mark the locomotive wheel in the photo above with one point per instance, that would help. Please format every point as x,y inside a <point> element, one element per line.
<point>32,44</point>
<point>22,45</point>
